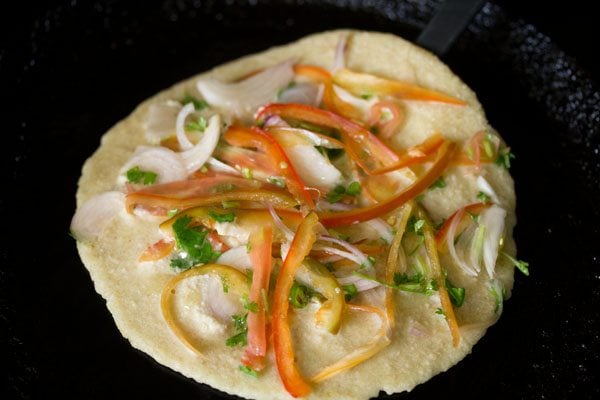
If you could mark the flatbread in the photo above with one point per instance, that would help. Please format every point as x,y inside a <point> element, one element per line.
<point>421,345</point>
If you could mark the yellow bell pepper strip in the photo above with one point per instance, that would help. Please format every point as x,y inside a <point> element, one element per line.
<point>315,275</point>
<point>260,242</point>
<point>331,100</point>
<point>438,275</point>
<point>386,127</point>
<point>362,83</point>
<point>236,282</point>
<point>444,155</point>
<point>301,245</point>
<point>362,146</point>
<point>391,267</point>
<point>280,163</point>
<point>462,215</point>
<point>379,342</point>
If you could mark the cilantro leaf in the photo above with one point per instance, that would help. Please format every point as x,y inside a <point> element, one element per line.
<point>229,217</point>
<point>457,294</point>
<point>251,306</point>
<point>521,265</point>
<point>136,175</point>
<point>440,183</point>
<point>504,157</point>
<point>240,324</point>
<point>198,104</point>
<point>354,189</point>
<point>200,125</point>
<point>415,225</point>
<point>193,243</point>
<point>248,371</point>
<point>340,191</point>
<point>350,291</point>
<point>482,197</point>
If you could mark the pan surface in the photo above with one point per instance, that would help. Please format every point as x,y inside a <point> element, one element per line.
<point>70,69</point>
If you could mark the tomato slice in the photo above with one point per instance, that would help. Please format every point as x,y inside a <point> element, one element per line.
<point>388,127</point>
<point>260,242</point>
<point>280,163</point>
<point>333,219</point>
<point>362,146</point>
<point>303,241</point>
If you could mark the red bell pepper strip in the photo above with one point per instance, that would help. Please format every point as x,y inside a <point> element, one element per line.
<point>280,163</point>
<point>260,242</point>
<point>362,146</point>
<point>331,100</point>
<point>414,155</point>
<point>303,241</point>
<point>444,155</point>
<point>361,83</point>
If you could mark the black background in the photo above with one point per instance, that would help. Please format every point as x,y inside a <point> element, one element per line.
<point>70,69</point>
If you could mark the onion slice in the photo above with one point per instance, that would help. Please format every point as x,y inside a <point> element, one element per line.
<point>303,93</point>
<point>164,162</point>
<point>493,220</point>
<point>93,216</point>
<point>237,258</point>
<point>339,60</point>
<point>486,188</point>
<point>450,243</point>
<point>314,169</point>
<point>182,138</point>
<point>195,157</point>
<point>244,97</point>
<point>160,120</point>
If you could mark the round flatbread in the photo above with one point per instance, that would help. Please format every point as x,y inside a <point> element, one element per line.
<point>420,344</point>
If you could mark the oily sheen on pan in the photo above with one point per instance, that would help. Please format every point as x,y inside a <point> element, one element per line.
<point>327,219</point>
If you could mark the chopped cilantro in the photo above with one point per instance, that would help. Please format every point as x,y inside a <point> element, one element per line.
<point>198,104</point>
<point>350,291</point>
<point>172,212</point>
<point>249,275</point>
<point>504,157</point>
<point>200,125</point>
<point>415,225</point>
<point>247,173</point>
<point>498,297</point>
<point>136,175</point>
<point>366,96</point>
<point>522,266</point>
<point>457,294</point>
<point>277,181</point>
<point>482,197</point>
<point>224,187</point>
<point>251,306</point>
<point>229,217</point>
<point>248,371</point>
<point>230,204</point>
<point>240,324</point>
<point>440,183</point>
<point>439,311</point>
<point>340,191</point>
<point>192,242</point>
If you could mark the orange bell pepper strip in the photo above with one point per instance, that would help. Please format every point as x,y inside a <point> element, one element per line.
<point>444,155</point>
<point>280,163</point>
<point>436,268</point>
<point>157,251</point>
<point>331,100</point>
<point>260,242</point>
<point>301,245</point>
<point>362,146</point>
<point>362,83</point>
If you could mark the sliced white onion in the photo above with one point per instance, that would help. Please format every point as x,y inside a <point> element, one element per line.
<point>311,137</point>
<point>303,93</point>
<point>232,234</point>
<point>220,166</point>
<point>473,239</point>
<point>361,284</point>
<point>160,120</point>
<point>339,60</point>
<point>237,258</point>
<point>486,188</point>
<point>165,163</point>
<point>195,157</point>
<point>314,169</point>
<point>289,235</point>
<point>361,104</point>
<point>452,249</point>
<point>275,120</point>
<point>344,254</point>
<point>244,97</point>
<point>182,138</point>
<point>383,228</point>
<point>285,249</point>
<point>93,216</point>
<point>358,255</point>
<point>220,304</point>
<point>493,219</point>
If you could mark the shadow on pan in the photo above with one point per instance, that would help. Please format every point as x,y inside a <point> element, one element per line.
<point>76,68</point>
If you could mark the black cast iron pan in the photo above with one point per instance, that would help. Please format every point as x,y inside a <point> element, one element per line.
<point>70,69</point>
